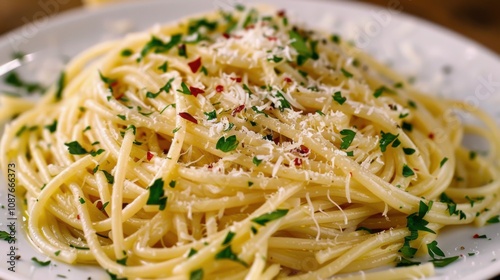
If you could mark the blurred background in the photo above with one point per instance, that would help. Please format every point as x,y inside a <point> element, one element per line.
<point>479,19</point>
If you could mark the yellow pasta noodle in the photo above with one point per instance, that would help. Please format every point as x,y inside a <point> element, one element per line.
<point>239,145</point>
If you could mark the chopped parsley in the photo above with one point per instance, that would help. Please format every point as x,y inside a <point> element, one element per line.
<point>185,89</point>
<point>386,140</point>
<point>335,38</point>
<point>337,96</point>
<point>60,85</point>
<point>347,139</point>
<point>211,115</point>
<point>163,67</point>
<point>227,144</point>
<point>300,45</point>
<point>82,200</point>
<point>126,52</point>
<point>110,178</point>
<point>256,161</point>
<point>14,80</point>
<point>229,237</point>
<point>443,161</point>
<point>52,127</point>
<point>172,184</point>
<point>227,253</point>
<point>271,216</point>
<point>41,263</point>
<point>284,104</point>
<point>166,88</point>
<point>346,73</point>
<point>156,194</point>
<point>407,171</point>
<point>75,148</point>
<point>159,46</point>
<point>408,151</point>
<point>434,250</point>
<point>444,262</point>
<point>192,252</point>
<point>6,236</point>
<point>493,220</point>
<point>196,274</point>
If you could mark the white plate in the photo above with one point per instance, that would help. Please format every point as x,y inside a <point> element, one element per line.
<point>414,47</point>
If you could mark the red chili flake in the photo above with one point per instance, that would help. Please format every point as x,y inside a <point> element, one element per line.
<point>119,96</point>
<point>113,84</point>
<point>272,38</point>
<point>195,65</point>
<point>297,161</point>
<point>477,236</point>
<point>210,166</point>
<point>303,150</point>
<point>350,174</point>
<point>187,116</point>
<point>431,136</point>
<point>99,205</point>
<point>237,110</point>
<point>149,155</point>
<point>78,216</point>
<point>195,91</point>
<point>219,88</point>
<point>281,13</point>
<point>276,140</point>
<point>237,79</point>
<point>225,35</point>
<point>288,80</point>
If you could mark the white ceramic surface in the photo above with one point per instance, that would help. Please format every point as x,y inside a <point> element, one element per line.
<point>414,47</point>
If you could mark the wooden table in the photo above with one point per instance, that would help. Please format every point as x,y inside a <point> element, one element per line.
<point>478,20</point>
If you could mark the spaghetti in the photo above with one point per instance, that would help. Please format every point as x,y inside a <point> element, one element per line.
<point>237,145</point>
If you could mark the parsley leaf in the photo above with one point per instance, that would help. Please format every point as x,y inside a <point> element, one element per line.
<point>443,162</point>
<point>337,96</point>
<point>408,151</point>
<point>230,235</point>
<point>386,140</point>
<point>196,274</point>
<point>434,250</point>
<point>407,171</point>
<point>227,144</point>
<point>192,252</point>
<point>75,148</point>
<point>256,161</point>
<point>444,262</point>
<point>284,104</point>
<point>271,216</point>
<point>346,73</point>
<point>41,263</point>
<point>493,220</point>
<point>185,89</point>
<point>110,178</point>
<point>60,86</point>
<point>159,46</point>
<point>156,193</point>
<point>166,88</point>
<point>452,206</point>
<point>347,139</point>
<point>227,253</point>
<point>6,236</point>
<point>52,127</point>
<point>299,44</point>
<point>211,115</point>
<point>405,262</point>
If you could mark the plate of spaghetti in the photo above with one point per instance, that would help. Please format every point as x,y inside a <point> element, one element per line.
<point>224,140</point>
